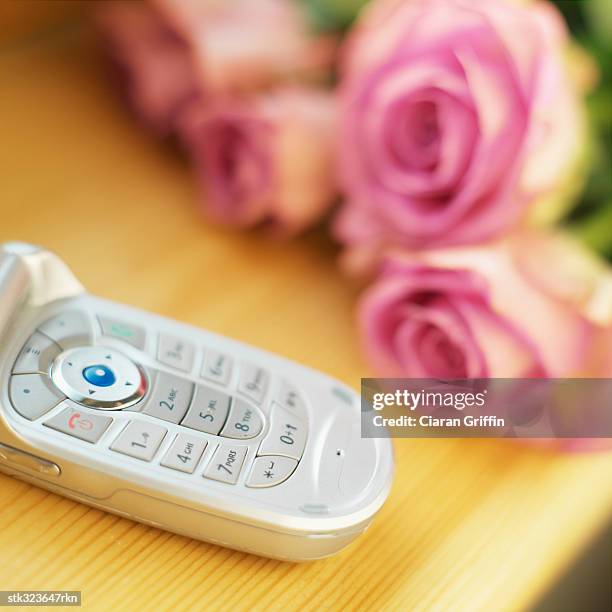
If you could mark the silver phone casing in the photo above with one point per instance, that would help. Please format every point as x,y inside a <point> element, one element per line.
<point>340,484</point>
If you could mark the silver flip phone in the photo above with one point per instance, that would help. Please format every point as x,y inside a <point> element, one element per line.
<point>174,426</point>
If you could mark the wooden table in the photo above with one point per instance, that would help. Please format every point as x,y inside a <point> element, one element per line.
<point>470,525</point>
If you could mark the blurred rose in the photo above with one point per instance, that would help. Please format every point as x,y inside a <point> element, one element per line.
<point>456,115</point>
<point>266,159</point>
<point>242,44</point>
<point>170,53</point>
<point>153,61</point>
<point>531,305</point>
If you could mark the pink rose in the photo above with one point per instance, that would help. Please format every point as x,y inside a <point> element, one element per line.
<point>171,52</point>
<point>244,44</point>
<point>456,114</point>
<point>531,305</point>
<point>153,61</point>
<point>266,159</point>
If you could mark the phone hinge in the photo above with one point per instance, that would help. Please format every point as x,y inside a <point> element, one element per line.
<point>49,277</point>
<point>14,287</point>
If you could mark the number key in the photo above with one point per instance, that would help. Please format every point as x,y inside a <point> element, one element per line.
<point>217,367</point>
<point>208,410</point>
<point>226,463</point>
<point>245,421</point>
<point>140,440</point>
<point>184,453</point>
<point>253,382</point>
<point>287,434</point>
<point>176,353</point>
<point>170,398</point>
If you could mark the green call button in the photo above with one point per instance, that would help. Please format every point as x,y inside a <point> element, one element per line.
<point>132,334</point>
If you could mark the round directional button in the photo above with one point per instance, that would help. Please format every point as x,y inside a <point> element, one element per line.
<point>99,377</point>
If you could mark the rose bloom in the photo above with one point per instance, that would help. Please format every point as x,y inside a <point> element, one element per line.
<point>530,305</point>
<point>266,159</point>
<point>456,114</point>
<point>244,44</point>
<point>171,52</point>
<point>153,62</point>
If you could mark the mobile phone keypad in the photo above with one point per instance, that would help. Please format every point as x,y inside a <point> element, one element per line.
<point>222,423</point>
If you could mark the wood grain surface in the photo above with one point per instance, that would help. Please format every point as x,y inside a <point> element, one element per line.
<point>470,525</point>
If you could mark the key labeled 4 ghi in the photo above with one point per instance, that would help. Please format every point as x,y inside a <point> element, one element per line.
<point>184,453</point>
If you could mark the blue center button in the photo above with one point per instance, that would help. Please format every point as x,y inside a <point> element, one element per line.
<point>99,375</point>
